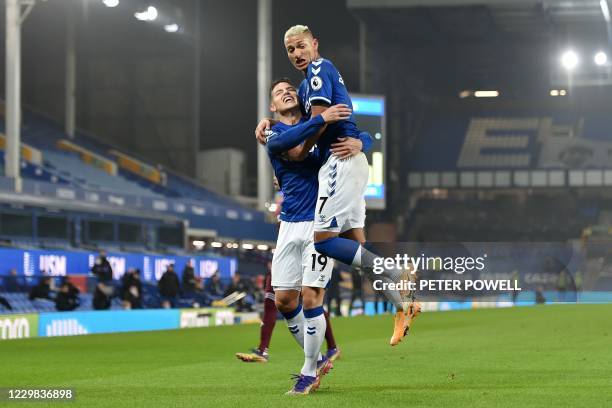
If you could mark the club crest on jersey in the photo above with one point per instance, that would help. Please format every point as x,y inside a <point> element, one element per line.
<point>316,83</point>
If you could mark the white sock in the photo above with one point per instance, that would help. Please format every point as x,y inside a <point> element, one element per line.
<point>393,275</point>
<point>295,324</point>
<point>357,258</point>
<point>314,327</point>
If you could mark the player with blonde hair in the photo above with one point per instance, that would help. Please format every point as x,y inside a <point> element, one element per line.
<point>340,211</point>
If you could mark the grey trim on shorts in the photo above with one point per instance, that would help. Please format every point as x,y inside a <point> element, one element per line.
<point>277,288</point>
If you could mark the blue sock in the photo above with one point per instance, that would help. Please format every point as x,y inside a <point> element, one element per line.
<point>342,249</point>
<point>352,253</point>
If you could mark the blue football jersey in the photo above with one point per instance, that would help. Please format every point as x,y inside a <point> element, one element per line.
<point>298,181</point>
<point>323,83</point>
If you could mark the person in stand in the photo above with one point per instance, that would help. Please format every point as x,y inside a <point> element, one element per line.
<point>12,282</point>
<point>5,303</point>
<point>333,293</point>
<point>357,292</point>
<point>104,291</point>
<point>191,283</point>
<point>42,290</point>
<point>240,285</point>
<point>169,288</point>
<point>67,296</point>
<point>131,290</point>
<point>214,286</point>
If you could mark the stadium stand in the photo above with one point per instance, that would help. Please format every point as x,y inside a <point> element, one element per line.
<point>510,140</point>
<point>85,170</point>
<point>503,219</point>
<point>80,194</point>
<point>21,302</point>
<point>82,175</point>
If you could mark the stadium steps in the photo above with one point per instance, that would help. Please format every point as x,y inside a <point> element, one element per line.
<point>21,303</point>
<point>83,175</point>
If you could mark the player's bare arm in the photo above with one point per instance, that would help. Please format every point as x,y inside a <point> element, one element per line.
<point>346,147</point>
<point>318,109</point>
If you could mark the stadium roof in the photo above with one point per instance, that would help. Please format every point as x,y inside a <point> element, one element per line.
<point>488,43</point>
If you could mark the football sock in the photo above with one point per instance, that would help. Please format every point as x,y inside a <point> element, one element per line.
<point>267,325</point>
<point>329,333</point>
<point>313,339</point>
<point>295,323</point>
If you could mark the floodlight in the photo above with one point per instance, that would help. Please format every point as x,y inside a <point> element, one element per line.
<point>486,94</point>
<point>600,58</point>
<point>171,28</point>
<point>569,60</point>
<point>149,14</point>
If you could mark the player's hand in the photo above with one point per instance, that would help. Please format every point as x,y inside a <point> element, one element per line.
<point>346,147</point>
<point>336,113</point>
<point>260,130</point>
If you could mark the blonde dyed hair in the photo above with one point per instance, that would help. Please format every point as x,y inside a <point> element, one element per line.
<point>297,30</point>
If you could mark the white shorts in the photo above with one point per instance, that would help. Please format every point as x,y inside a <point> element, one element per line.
<point>295,262</point>
<point>340,201</point>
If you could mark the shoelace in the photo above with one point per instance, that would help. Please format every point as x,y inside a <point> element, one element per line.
<point>302,381</point>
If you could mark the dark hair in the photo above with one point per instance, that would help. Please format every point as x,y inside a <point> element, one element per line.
<point>279,81</point>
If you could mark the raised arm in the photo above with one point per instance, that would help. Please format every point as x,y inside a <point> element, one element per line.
<point>292,137</point>
<point>263,126</point>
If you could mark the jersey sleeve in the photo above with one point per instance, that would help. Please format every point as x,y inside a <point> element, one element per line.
<point>279,141</point>
<point>315,154</point>
<point>366,141</point>
<point>321,76</point>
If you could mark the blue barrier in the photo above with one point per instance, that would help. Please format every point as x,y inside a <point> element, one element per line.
<point>60,263</point>
<point>77,323</point>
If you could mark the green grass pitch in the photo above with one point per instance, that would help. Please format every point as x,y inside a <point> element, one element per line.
<point>545,356</point>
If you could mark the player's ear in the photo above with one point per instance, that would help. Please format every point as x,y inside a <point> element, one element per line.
<point>315,44</point>
<point>272,107</point>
